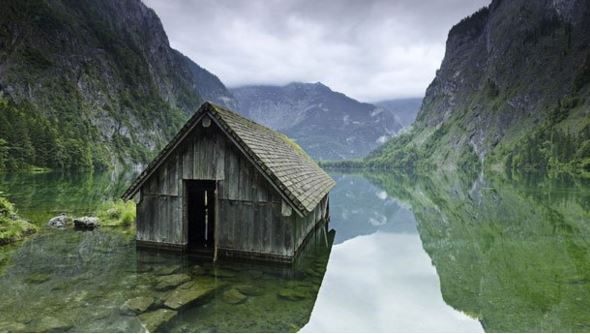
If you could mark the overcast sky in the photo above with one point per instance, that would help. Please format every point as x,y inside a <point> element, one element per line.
<point>370,50</point>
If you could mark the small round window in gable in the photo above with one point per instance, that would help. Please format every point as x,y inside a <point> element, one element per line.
<point>206,122</point>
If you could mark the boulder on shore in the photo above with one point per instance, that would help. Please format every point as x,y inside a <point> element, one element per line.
<point>58,221</point>
<point>86,223</point>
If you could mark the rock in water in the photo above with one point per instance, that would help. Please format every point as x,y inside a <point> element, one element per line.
<point>250,290</point>
<point>86,223</point>
<point>255,273</point>
<point>189,293</point>
<point>12,327</point>
<point>233,296</point>
<point>171,281</point>
<point>37,278</point>
<point>52,325</point>
<point>167,270</point>
<point>58,221</point>
<point>223,273</point>
<point>292,294</point>
<point>198,270</point>
<point>136,305</point>
<point>152,321</point>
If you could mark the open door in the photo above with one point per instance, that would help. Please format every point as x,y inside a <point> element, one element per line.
<point>200,203</point>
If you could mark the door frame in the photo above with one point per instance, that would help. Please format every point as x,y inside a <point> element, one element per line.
<point>185,222</point>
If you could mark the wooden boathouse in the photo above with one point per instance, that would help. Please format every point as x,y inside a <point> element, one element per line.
<point>228,187</point>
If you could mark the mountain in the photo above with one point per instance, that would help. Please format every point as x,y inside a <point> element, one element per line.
<point>327,124</point>
<point>405,110</point>
<point>511,94</point>
<point>87,83</point>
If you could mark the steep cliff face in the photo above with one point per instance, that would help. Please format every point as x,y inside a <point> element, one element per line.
<point>327,124</point>
<point>515,73</point>
<point>92,83</point>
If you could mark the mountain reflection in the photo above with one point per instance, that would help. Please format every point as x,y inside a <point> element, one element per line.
<point>443,253</point>
<point>379,277</point>
<point>514,254</point>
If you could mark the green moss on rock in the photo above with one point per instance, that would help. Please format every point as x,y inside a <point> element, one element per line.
<point>12,227</point>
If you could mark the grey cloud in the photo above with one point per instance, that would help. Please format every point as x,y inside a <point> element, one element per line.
<point>370,50</point>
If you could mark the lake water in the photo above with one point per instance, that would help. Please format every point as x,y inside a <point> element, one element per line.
<point>401,254</point>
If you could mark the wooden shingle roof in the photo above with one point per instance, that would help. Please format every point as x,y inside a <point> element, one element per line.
<point>299,179</point>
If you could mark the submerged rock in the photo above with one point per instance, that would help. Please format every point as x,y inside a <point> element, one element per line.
<point>313,273</point>
<point>37,278</point>
<point>223,273</point>
<point>292,294</point>
<point>171,281</point>
<point>153,321</point>
<point>190,293</point>
<point>86,223</point>
<point>233,296</point>
<point>167,270</point>
<point>60,221</point>
<point>198,270</point>
<point>255,273</point>
<point>52,325</point>
<point>250,290</point>
<point>137,305</point>
<point>12,327</point>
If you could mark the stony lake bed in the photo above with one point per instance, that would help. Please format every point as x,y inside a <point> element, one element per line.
<point>97,281</point>
<point>398,255</point>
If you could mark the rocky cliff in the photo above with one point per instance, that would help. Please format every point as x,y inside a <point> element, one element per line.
<point>511,93</point>
<point>327,124</point>
<point>92,83</point>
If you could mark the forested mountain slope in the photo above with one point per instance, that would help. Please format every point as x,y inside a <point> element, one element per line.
<point>87,83</point>
<point>512,93</point>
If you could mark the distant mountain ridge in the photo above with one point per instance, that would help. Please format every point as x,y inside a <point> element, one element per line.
<point>405,110</point>
<point>88,84</point>
<point>327,124</point>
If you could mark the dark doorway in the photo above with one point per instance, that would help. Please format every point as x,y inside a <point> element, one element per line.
<point>200,201</point>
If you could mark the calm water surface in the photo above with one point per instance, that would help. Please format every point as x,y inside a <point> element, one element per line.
<point>400,254</point>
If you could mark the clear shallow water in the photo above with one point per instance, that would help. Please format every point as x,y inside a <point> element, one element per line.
<point>399,255</point>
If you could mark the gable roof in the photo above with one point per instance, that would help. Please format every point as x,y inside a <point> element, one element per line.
<point>299,180</point>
